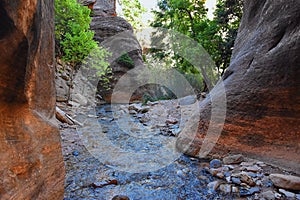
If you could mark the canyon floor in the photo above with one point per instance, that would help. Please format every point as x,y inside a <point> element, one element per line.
<point>128,152</point>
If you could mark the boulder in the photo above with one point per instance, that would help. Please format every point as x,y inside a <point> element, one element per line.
<point>116,34</point>
<point>288,182</point>
<point>262,89</point>
<point>104,8</point>
<point>31,164</point>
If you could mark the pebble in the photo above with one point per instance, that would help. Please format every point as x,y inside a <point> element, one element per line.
<point>180,173</point>
<point>213,186</point>
<point>138,108</point>
<point>235,190</point>
<point>214,171</point>
<point>259,183</point>
<point>254,168</point>
<point>252,175</point>
<point>277,195</point>
<point>230,167</point>
<point>234,159</point>
<point>225,188</point>
<point>247,179</point>
<point>247,163</point>
<point>215,163</point>
<point>75,153</point>
<point>132,112</point>
<point>268,195</point>
<point>120,197</point>
<point>228,179</point>
<point>236,180</point>
<point>227,174</point>
<point>287,193</point>
<point>187,100</point>
<point>248,192</point>
<point>171,121</point>
<point>261,164</point>
<point>220,175</point>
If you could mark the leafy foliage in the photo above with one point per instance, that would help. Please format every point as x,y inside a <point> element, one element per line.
<point>74,39</point>
<point>132,12</point>
<point>189,17</point>
<point>227,19</point>
<point>126,60</point>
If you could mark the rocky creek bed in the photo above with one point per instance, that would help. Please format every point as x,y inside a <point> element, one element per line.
<point>117,152</point>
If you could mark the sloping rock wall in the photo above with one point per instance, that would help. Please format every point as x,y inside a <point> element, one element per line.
<point>262,88</point>
<point>106,26</point>
<point>31,164</point>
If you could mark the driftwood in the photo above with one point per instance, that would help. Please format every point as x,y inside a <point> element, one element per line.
<point>65,118</point>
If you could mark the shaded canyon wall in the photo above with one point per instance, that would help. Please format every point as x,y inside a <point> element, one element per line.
<point>31,164</point>
<point>262,88</point>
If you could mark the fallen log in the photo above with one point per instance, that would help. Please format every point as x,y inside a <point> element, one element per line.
<point>65,118</point>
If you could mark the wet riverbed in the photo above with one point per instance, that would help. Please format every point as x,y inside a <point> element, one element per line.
<point>99,165</point>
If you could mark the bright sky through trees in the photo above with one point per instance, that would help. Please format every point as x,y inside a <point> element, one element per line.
<point>151,4</point>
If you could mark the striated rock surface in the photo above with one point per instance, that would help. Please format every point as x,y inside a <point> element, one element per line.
<point>116,34</point>
<point>262,88</point>
<point>31,164</point>
<point>104,7</point>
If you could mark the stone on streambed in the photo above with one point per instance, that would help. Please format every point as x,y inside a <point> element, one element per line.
<point>244,178</point>
<point>171,121</point>
<point>120,197</point>
<point>233,159</point>
<point>213,186</point>
<point>287,193</point>
<point>188,100</point>
<point>268,195</point>
<point>139,108</point>
<point>253,168</point>
<point>288,182</point>
<point>215,163</point>
<point>248,192</point>
<point>225,188</point>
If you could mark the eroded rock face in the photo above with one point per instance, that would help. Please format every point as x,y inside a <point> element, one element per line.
<point>31,164</point>
<point>262,88</point>
<point>116,34</point>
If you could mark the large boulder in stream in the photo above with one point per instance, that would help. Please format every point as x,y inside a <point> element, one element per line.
<point>31,164</point>
<point>262,89</point>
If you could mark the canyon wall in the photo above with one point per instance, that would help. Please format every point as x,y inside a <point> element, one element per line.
<point>31,164</point>
<point>262,88</point>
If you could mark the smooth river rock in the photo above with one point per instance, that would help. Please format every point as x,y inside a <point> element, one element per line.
<point>288,182</point>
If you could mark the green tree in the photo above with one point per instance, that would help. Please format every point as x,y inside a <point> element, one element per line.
<point>189,17</point>
<point>227,19</point>
<point>74,39</point>
<point>132,12</point>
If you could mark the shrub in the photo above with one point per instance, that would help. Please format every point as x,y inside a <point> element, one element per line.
<point>126,61</point>
<point>74,39</point>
